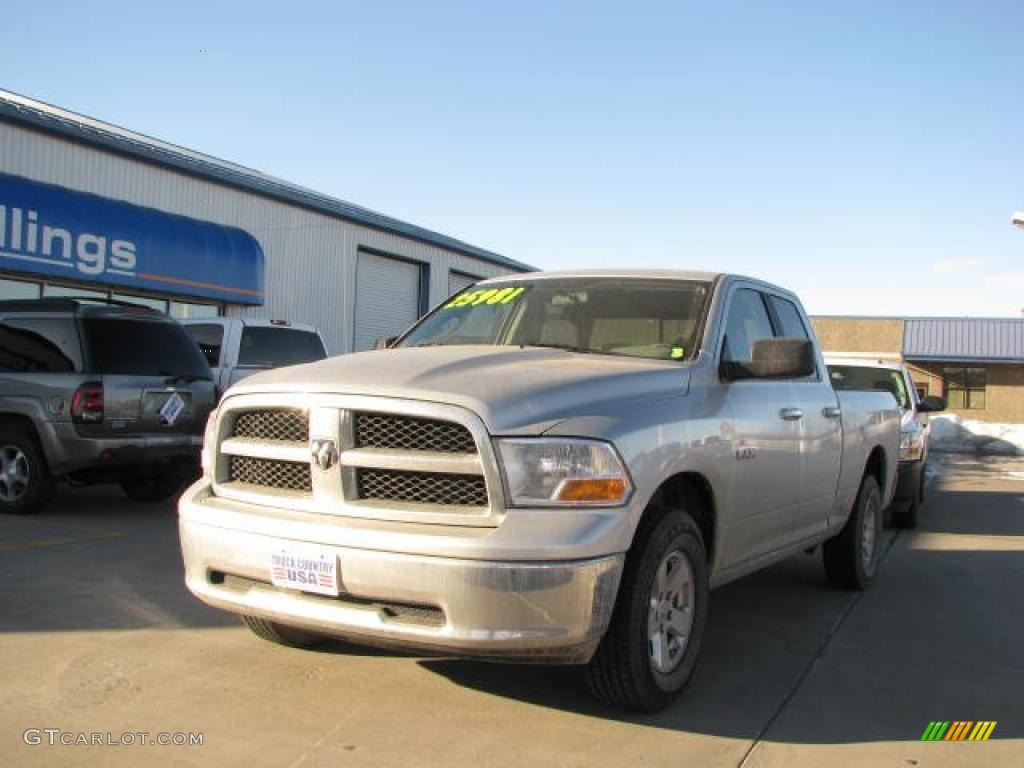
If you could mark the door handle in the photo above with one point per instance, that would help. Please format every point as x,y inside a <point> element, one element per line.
<point>791,414</point>
<point>831,412</point>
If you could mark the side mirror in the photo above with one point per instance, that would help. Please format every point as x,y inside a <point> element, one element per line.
<point>931,404</point>
<point>385,342</point>
<point>782,359</point>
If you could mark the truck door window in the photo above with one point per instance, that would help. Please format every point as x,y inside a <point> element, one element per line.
<point>746,322</point>
<point>789,323</point>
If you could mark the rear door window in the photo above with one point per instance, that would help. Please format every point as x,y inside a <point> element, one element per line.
<point>39,345</point>
<point>142,347</point>
<point>210,339</point>
<point>274,346</point>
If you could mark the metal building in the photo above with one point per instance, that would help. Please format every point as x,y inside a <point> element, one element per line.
<point>90,208</point>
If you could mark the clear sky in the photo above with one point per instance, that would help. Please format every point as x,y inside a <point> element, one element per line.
<point>867,154</point>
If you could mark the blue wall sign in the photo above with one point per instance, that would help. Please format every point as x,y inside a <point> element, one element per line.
<point>62,233</point>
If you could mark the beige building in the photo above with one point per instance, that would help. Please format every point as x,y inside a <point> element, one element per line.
<point>977,364</point>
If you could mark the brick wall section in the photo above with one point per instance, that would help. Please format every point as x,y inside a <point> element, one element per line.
<point>860,334</point>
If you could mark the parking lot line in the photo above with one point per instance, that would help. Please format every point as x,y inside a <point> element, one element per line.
<point>59,542</point>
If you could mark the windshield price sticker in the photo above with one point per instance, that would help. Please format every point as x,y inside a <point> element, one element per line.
<point>487,296</point>
<point>171,410</point>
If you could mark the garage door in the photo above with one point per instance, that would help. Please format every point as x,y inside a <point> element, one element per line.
<point>387,298</point>
<point>457,281</point>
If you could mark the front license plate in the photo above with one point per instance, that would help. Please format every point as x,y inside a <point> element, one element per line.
<point>305,569</point>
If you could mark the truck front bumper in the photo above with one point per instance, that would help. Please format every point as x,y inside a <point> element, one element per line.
<point>553,612</point>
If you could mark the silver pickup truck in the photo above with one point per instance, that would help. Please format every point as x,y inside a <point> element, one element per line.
<point>551,467</point>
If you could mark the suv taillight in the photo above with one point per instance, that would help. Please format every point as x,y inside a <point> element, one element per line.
<point>87,403</point>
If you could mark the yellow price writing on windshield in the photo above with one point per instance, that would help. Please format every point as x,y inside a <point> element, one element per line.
<point>486,296</point>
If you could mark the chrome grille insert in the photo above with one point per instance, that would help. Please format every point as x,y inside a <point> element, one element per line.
<point>270,473</point>
<point>277,425</point>
<point>385,430</point>
<point>422,487</point>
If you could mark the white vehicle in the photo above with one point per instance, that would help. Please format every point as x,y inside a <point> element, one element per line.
<point>549,467</point>
<point>859,372</point>
<point>237,347</point>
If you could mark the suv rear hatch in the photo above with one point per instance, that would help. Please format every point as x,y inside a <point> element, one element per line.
<point>155,380</point>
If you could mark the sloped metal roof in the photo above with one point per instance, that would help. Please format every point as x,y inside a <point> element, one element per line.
<point>964,339</point>
<point>40,115</point>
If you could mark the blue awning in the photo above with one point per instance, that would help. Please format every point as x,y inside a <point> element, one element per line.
<point>66,234</point>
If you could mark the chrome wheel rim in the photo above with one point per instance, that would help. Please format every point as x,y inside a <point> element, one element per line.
<point>869,536</point>
<point>14,473</point>
<point>670,612</point>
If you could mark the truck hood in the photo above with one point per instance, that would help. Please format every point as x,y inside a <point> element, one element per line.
<point>515,390</point>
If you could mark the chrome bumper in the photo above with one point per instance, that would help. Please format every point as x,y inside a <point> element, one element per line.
<point>552,612</point>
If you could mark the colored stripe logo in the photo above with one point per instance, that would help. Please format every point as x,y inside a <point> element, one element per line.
<point>958,730</point>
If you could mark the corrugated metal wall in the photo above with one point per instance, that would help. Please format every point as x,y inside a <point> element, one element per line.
<point>310,257</point>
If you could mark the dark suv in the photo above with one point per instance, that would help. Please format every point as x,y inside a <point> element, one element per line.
<point>95,393</point>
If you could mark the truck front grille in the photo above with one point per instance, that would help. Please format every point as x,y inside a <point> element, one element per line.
<point>276,425</point>
<point>422,487</point>
<point>270,473</point>
<point>385,430</point>
<point>326,456</point>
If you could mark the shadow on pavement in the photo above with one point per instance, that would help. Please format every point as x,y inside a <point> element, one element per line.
<point>938,637</point>
<point>93,559</point>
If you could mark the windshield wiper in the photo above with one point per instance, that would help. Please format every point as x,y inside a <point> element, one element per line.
<point>566,347</point>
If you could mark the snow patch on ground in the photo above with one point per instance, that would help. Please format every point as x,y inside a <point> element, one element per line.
<point>954,434</point>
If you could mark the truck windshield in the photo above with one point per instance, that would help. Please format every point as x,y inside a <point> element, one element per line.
<point>648,318</point>
<point>864,377</point>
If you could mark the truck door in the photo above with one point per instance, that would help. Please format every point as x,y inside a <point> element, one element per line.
<point>766,442</point>
<point>819,427</point>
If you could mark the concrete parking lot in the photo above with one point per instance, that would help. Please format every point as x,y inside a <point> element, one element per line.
<point>98,635</point>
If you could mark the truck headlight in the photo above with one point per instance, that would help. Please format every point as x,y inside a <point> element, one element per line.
<point>544,472</point>
<point>209,443</point>
<point>911,445</point>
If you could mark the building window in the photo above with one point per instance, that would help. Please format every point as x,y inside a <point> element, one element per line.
<point>184,310</point>
<point>52,290</point>
<point>964,388</point>
<point>18,289</point>
<point>922,391</point>
<point>142,301</point>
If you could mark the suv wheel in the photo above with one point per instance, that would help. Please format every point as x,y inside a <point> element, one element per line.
<point>651,648</point>
<point>25,481</point>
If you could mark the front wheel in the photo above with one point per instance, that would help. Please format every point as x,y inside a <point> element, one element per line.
<point>852,555</point>
<point>155,489</point>
<point>650,650</point>
<point>282,634</point>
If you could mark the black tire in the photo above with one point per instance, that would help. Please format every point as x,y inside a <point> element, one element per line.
<point>155,489</point>
<point>25,481</point>
<point>906,516</point>
<point>623,672</point>
<point>281,633</point>
<point>847,564</point>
